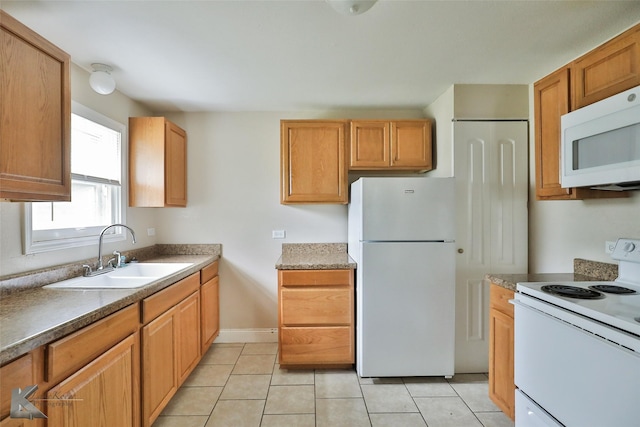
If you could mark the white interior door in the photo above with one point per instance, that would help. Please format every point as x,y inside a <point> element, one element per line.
<point>490,167</point>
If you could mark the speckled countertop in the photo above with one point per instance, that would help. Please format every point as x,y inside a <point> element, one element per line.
<point>315,256</point>
<point>584,270</point>
<point>31,316</point>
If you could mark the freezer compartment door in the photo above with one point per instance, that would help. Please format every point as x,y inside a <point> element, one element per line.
<point>405,309</point>
<point>406,209</point>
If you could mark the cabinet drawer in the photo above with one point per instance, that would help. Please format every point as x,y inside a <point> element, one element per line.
<point>500,297</point>
<point>160,302</point>
<point>315,277</point>
<point>69,354</point>
<point>317,306</point>
<point>316,345</point>
<point>208,272</point>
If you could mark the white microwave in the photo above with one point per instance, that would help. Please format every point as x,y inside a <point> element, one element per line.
<point>600,144</point>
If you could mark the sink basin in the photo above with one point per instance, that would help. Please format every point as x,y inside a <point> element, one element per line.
<point>132,276</point>
<point>149,269</point>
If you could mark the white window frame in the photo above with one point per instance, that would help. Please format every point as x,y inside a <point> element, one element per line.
<point>74,238</point>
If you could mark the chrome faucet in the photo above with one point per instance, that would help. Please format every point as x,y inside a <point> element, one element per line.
<point>99,267</point>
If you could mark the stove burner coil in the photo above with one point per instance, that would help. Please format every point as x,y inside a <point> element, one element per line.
<point>572,292</point>
<point>613,289</point>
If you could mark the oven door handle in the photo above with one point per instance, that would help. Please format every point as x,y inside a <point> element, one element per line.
<point>615,338</point>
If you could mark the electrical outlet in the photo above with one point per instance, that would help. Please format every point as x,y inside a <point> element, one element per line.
<point>277,234</point>
<point>609,247</point>
<point>151,231</point>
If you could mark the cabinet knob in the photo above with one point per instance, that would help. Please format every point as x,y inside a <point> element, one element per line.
<point>460,250</point>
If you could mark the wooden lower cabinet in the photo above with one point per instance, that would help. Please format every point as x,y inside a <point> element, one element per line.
<point>501,350</point>
<point>124,369</point>
<point>210,296</point>
<point>25,371</point>
<point>104,393</point>
<point>316,317</point>
<point>209,305</point>
<point>95,374</point>
<point>188,339</point>
<point>159,365</point>
<point>170,343</point>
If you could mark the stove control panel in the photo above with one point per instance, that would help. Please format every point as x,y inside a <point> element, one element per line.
<point>627,250</point>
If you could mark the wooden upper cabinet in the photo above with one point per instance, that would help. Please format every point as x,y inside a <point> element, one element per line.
<point>370,144</point>
<point>383,144</point>
<point>313,167</point>
<point>35,135</point>
<point>157,163</point>
<point>607,70</point>
<point>550,102</point>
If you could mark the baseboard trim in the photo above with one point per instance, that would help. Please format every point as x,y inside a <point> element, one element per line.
<point>247,335</point>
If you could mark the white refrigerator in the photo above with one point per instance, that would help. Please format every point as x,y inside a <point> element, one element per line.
<point>402,236</point>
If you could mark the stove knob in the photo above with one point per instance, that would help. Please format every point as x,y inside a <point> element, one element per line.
<point>629,247</point>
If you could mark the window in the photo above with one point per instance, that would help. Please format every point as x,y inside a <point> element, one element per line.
<point>96,190</point>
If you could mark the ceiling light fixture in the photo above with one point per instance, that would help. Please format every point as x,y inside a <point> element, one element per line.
<point>101,79</point>
<point>351,7</point>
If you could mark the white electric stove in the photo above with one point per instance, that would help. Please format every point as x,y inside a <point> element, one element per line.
<point>577,349</point>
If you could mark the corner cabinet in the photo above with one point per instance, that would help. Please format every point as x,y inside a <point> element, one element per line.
<point>316,318</point>
<point>501,350</point>
<point>35,136</point>
<point>157,163</point>
<point>605,71</point>
<point>313,167</point>
<point>391,145</point>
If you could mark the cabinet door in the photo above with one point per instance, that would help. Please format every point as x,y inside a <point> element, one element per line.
<point>104,393</point>
<point>210,312</point>
<point>501,361</point>
<point>25,371</point>
<point>411,145</point>
<point>35,112</point>
<point>369,144</point>
<point>313,163</point>
<point>188,344</point>
<point>551,100</point>
<point>609,69</point>
<point>157,163</point>
<point>175,166</point>
<point>159,365</point>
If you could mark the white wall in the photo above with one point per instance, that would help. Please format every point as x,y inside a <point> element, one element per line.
<point>116,106</point>
<point>234,199</point>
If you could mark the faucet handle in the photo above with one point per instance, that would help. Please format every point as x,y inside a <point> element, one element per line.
<point>87,270</point>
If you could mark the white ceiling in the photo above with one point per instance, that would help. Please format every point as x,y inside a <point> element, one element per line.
<point>276,55</point>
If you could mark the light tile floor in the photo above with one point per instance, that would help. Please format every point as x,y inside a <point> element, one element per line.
<point>242,385</point>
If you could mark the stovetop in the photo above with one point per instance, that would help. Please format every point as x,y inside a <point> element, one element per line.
<point>595,300</point>
<point>619,310</point>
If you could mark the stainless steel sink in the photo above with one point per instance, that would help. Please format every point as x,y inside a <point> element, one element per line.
<point>132,276</point>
